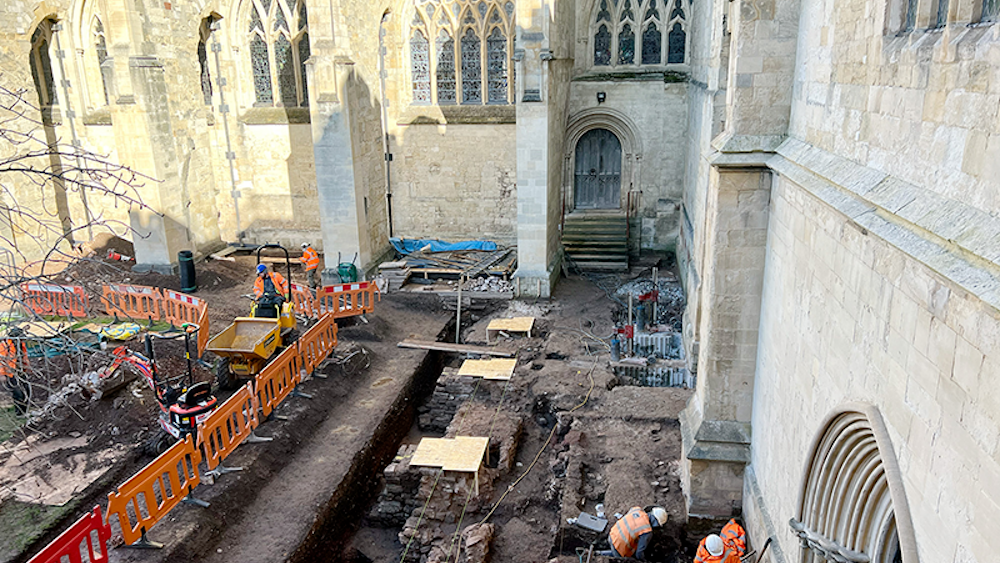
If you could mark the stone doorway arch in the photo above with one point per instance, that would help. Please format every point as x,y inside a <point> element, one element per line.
<point>623,128</point>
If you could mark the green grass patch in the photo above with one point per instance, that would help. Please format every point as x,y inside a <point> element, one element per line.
<point>23,523</point>
<point>10,422</point>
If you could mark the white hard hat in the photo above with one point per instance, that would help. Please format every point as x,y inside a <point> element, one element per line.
<point>305,245</point>
<point>659,514</point>
<point>713,544</point>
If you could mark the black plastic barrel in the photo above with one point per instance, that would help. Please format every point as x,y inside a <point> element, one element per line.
<point>189,283</point>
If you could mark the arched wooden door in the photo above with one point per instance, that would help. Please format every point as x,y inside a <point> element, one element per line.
<point>598,171</point>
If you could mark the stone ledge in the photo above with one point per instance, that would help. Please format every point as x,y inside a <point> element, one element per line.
<point>952,238</point>
<point>457,114</point>
<point>101,116</point>
<point>275,116</point>
<point>716,440</point>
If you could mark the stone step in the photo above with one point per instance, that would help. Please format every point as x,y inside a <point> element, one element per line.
<point>595,266</point>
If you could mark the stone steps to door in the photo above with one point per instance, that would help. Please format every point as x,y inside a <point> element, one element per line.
<point>597,241</point>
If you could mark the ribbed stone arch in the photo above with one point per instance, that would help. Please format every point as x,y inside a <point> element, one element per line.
<point>852,500</point>
<point>623,128</point>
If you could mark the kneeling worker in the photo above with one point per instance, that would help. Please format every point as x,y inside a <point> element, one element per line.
<point>727,547</point>
<point>630,535</point>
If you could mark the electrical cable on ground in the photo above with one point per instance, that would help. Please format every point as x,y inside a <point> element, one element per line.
<point>586,398</point>
<point>468,497</point>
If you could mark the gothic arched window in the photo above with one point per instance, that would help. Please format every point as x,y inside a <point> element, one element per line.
<point>470,62</point>
<point>101,50</point>
<point>41,65</point>
<point>661,41</point>
<point>279,48</point>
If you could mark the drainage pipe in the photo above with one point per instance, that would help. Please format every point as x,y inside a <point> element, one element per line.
<point>385,121</point>
<point>224,111</point>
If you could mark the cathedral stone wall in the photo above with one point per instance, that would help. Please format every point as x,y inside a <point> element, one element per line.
<point>850,317</point>
<point>455,181</point>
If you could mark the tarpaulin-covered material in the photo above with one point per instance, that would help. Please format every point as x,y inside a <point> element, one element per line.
<point>408,246</point>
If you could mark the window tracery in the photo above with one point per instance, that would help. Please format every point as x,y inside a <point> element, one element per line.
<point>470,61</point>
<point>101,50</point>
<point>661,41</point>
<point>279,48</point>
<point>41,65</point>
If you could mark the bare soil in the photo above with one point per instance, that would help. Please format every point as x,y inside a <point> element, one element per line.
<point>586,440</point>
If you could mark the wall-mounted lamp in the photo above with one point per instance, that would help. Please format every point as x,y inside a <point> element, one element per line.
<point>601,96</point>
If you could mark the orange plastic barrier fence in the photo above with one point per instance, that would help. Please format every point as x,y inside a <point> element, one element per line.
<point>302,298</point>
<point>347,300</point>
<point>180,308</point>
<point>318,342</point>
<point>228,426</point>
<point>70,544</point>
<point>202,332</point>
<point>132,301</point>
<point>278,379</point>
<point>51,299</point>
<point>150,494</point>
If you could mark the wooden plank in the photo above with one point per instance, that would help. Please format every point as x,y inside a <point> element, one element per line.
<point>457,348</point>
<point>462,453</point>
<point>516,324</point>
<point>506,295</point>
<point>488,262</point>
<point>494,368</point>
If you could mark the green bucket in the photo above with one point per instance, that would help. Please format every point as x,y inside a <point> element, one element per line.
<point>348,272</point>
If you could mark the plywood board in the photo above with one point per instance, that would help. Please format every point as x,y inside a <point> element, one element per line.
<point>516,324</point>
<point>488,369</point>
<point>462,453</point>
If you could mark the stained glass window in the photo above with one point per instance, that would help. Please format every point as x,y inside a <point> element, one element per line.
<point>261,70</point>
<point>206,77</point>
<point>911,13</point>
<point>445,69</point>
<point>277,54</point>
<point>41,65</point>
<point>496,64</point>
<point>616,30</point>
<point>279,20</point>
<point>471,47</point>
<point>604,15</point>
<point>304,54</point>
<point>420,68</point>
<point>678,11</point>
<point>651,41</point>
<point>602,46</point>
<point>255,20</point>
<point>991,9</point>
<point>676,44</point>
<point>472,84</point>
<point>101,49</point>
<point>942,13</point>
<point>626,46</point>
<point>651,11</point>
<point>627,11</point>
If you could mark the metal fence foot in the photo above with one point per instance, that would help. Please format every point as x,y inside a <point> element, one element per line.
<point>190,499</point>
<point>300,394</point>
<point>222,470</point>
<point>253,438</point>
<point>145,543</point>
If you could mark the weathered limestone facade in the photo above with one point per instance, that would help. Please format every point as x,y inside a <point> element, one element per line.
<point>868,287</point>
<point>825,170</point>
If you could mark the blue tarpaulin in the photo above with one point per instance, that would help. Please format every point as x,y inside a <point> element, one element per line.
<point>408,246</point>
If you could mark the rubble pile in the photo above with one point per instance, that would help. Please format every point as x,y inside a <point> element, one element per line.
<point>86,383</point>
<point>492,284</point>
<point>671,298</point>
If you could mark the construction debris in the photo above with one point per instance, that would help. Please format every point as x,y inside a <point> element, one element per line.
<point>490,284</point>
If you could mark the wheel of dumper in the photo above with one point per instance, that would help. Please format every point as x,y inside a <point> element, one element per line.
<point>224,378</point>
<point>158,443</point>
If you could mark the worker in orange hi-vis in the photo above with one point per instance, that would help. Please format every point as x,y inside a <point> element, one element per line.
<point>630,536</point>
<point>310,259</point>
<point>13,358</point>
<point>727,547</point>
